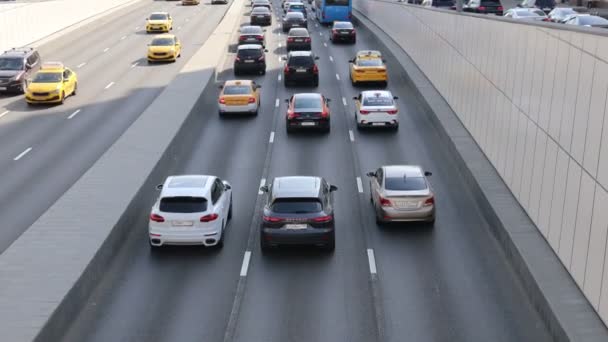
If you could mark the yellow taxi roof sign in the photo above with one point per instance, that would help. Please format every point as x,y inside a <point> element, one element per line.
<point>52,66</point>
<point>369,54</point>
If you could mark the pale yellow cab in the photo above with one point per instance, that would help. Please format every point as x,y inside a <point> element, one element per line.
<point>159,22</point>
<point>51,84</point>
<point>239,96</point>
<point>164,48</point>
<point>368,66</point>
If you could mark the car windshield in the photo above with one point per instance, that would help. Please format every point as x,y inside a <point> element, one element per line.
<point>249,53</point>
<point>237,90</point>
<point>296,7</point>
<point>47,77</point>
<point>336,2</point>
<point>294,16</point>
<point>183,204</point>
<point>251,30</point>
<point>260,10</point>
<point>405,183</point>
<point>162,42</point>
<point>343,25</point>
<point>378,101</point>
<point>312,102</point>
<point>296,205</point>
<point>592,20</point>
<point>301,61</point>
<point>564,12</point>
<point>158,17</point>
<point>298,33</point>
<point>11,64</point>
<point>369,62</point>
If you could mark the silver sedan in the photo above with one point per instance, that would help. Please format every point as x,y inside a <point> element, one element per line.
<point>402,193</point>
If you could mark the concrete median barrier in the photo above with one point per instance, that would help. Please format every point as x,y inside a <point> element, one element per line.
<point>48,273</point>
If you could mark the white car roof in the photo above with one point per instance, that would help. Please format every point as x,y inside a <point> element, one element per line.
<point>187,185</point>
<point>403,170</point>
<point>165,13</point>
<point>374,93</point>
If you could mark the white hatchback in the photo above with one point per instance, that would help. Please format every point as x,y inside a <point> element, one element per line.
<point>376,108</point>
<point>191,210</point>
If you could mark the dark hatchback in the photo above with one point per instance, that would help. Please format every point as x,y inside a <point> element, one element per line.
<point>307,111</point>
<point>298,211</point>
<point>16,66</point>
<point>260,16</point>
<point>293,19</point>
<point>250,58</point>
<point>301,67</point>
<point>298,39</point>
<point>343,31</point>
<point>483,7</point>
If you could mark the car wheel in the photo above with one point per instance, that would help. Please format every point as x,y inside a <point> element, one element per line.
<point>264,246</point>
<point>75,88</point>
<point>62,97</point>
<point>354,84</point>
<point>354,41</point>
<point>315,82</point>
<point>285,82</point>
<point>153,248</point>
<point>330,246</point>
<point>263,72</point>
<point>289,129</point>
<point>230,209</point>
<point>221,114</point>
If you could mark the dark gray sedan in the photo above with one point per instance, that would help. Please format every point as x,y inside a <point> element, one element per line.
<point>293,19</point>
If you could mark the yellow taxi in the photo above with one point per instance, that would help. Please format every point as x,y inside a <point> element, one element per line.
<point>164,48</point>
<point>368,66</point>
<point>159,22</point>
<point>242,96</point>
<point>190,2</point>
<point>51,84</point>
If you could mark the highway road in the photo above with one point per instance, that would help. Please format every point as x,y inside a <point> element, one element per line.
<point>451,283</point>
<point>44,150</point>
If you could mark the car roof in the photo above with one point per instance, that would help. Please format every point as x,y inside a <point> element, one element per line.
<point>164,35</point>
<point>295,14</point>
<point>250,47</point>
<point>296,186</point>
<point>369,54</point>
<point>17,52</point>
<point>187,185</point>
<point>52,67</point>
<point>300,53</point>
<point>165,13</point>
<point>374,93</point>
<point>343,22</point>
<point>403,170</point>
<point>237,82</point>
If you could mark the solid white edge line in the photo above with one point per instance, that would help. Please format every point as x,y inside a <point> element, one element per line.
<point>344,100</point>
<point>276,103</point>
<point>271,140</point>
<point>331,59</point>
<point>109,85</point>
<point>359,184</point>
<point>22,154</point>
<point>337,77</point>
<point>106,49</point>
<point>262,183</point>
<point>81,65</point>
<point>74,114</point>
<point>372,261</point>
<point>245,266</point>
<point>4,113</point>
<point>351,135</point>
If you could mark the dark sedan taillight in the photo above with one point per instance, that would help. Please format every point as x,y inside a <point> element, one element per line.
<point>323,219</point>
<point>272,219</point>
<point>307,40</point>
<point>315,69</point>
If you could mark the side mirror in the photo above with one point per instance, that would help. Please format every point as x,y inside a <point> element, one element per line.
<point>284,58</point>
<point>264,188</point>
<point>316,57</point>
<point>265,50</point>
<point>371,174</point>
<point>286,100</point>
<point>355,98</point>
<point>226,185</point>
<point>257,86</point>
<point>333,188</point>
<point>427,174</point>
<point>351,61</point>
<point>159,187</point>
<point>395,98</point>
<point>221,86</point>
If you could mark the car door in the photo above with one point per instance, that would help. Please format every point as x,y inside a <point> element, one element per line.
<point>358,106</point>
<point>219,199</point>
<point>178,47</point>
<point>71,84</point>
<point>376,185</point>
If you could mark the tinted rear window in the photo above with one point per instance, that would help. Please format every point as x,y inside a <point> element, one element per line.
<point>301,61</point>
<point>158,17</point>
<point>296,7</point>
<point>298,33</point>
<point>296,205</point>
<point>490,3</point>
<point>378,101</point>
<point>369,62</point>
<point>260,10</point>
<point>249,53</point>
<point>336,2</point>
<point>237,90</point>
<point>183,204</point>
<point>405,184</point>
<point>251,30</point>
<point>343,25</point>
<point>307,102</point>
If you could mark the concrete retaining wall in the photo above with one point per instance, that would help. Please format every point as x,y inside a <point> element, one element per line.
<point>535,100</point>
<point>24,24</point>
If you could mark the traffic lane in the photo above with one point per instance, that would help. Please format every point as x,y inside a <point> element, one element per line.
<point>312,295</point>
<point>63,149</point>
<point>455,275</point>
<point>185,294</point>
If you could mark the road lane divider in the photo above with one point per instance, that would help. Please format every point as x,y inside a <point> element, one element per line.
<point>372,262</point>
<point>106,50</point>
<point>331,59</point>
<point>245,265</point>
<point>74,114</point>
<point>109,85</point>
<point>262,183</point>
<point>271,139</point>
<point>4,113</point>
<point>22,154</point>
<point>81,65</point>
<point>359,184</point>
<point>351,135</point>
<point>276,103</point>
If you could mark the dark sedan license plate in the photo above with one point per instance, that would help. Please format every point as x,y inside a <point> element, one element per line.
<point>295,226</point>
<point>308,123</point>
<point>260,17</point>
<point>298,40</point>
<point>300,70</point>
<point>344,32</point>
<point>249,61</point>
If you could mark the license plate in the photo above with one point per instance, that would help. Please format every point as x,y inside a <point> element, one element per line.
<point>182,223</point>
<point>249,61</point>
<point>298,40</point>
<point>407,204</point>
<point>378,124</point>
<point>295,25</point>
<point>295,226</point>
<point>2,88</point>
<point>344,33</point>
<point>260,17</point>
<point>307,123</point>
<point>300,70</point>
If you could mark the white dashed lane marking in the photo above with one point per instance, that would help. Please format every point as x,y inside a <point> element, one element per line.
<point>325,44</point>
<point>262,183</point>
<point>351,135</point>
<point>359,184</point>
<point>344,101</point>
<point>123,37</point>
<point>134,64</point>
<point>271,140</point>
<point>22,154</point>
<point>331,59</point>
<point>276,103</point>
<point>337,77</point>
<point>372,261</point>
<point>81,65</point>
<point>74,114</point>
<point>109,85</point>
<point>4,113</point>
<point>245,266</point>
<point>106,49</point>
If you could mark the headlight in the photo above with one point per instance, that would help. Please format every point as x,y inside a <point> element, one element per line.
<point>56,91</point>
<point>172,50</point>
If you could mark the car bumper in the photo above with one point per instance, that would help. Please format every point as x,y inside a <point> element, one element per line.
<point>190,2</point>
<point>370,78</point>
<point>43,99</point>
<point>298,46</point>
<point>310,236</point>
<point>10,86</point>
<point>395,215</point>
<point>308,124</point>
<point>294,76</point>
<point>207,237</point>
<point>250,66</point>
<point>161,58</point>
<point>343,38</point>
<point>157,29</point>
<point>249,108</point>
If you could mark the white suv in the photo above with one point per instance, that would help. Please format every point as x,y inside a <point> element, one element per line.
<point>376,108</point>
<point>191,210</point>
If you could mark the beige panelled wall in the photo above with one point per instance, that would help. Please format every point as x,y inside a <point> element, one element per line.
<point>534,98</point>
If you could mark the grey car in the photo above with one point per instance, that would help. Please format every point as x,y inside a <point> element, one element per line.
<point>298,210</point>
<point>293,19</point>
<point>402,193</point>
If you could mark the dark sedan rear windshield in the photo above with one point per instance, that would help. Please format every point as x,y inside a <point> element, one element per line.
<point>405,184</point>
<point>336,2</point>
<point>251,30</point>
<point>343,25</point>
<point>307,102</point>
<point>183,204</point>
<point>298,32</point>
<point>296,205</point>
<point>251,53</point>
<point>301,61</point>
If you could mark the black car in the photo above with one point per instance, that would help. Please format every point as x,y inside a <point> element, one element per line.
<point>298,211</point>
<point>308,111</point>
<point>251,35</point>
<point>293,19</point>
<point>260,16</point>
<point>483,7</point>
<point>343,31</point>
<point>301,67</point>
<point>16,66</point>
<point>250,58</point>
<point>298,39</point>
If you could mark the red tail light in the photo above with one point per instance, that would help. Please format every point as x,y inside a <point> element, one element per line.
<point>222,100</point>
<point>546,19</point>
<point>291,114</point>
<point>251,99</point>
<point>307,40</point>
<point>315,69</point>
<point>384,202</point>
<point>209,218</point>
<point>500,8</point>
<point>272,219</point>
<point>364,112</point>
<point>237,58</point>
<point>481,8</point>
<point>324,114</point>
<point>156,218</point>
<point>392,111</point>
<point>334,31</point>
<point>242,38</point>
<point>289,40</point>
<point>429,201</point>
<point>286,69</point>
<point>261,58</point>
<point>322,219</point>
<point>260,37</point>
<point>353,32</point>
